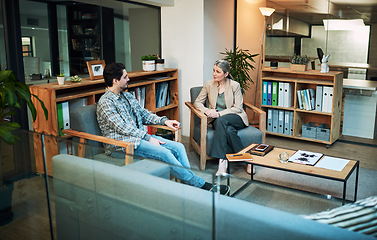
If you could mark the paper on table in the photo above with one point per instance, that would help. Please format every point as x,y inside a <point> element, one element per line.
<point>332,163</point>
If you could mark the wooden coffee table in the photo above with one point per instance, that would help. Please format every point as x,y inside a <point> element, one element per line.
<point>271,160</point>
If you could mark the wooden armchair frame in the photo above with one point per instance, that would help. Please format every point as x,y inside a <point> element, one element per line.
<point>201,148</point>
<point>84,137</point>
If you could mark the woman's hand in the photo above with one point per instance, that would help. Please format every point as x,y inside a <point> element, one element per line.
<point>212,113</point>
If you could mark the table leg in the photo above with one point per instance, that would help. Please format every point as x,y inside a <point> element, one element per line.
<point>344,192</point>
<point>356,181</point>
<point>228,177</point>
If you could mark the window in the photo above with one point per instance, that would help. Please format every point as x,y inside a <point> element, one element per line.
<point>27,47</point>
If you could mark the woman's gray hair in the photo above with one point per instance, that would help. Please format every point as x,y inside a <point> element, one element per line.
<point>224,65</point>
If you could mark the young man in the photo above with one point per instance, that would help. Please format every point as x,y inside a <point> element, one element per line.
<point>121,117</point>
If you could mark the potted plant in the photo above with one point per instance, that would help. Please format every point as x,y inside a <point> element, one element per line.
<point>60,78</point>
<point>240,61</point>
<point>299,63</point>
<point>12,95</point>
<point>149,62</point>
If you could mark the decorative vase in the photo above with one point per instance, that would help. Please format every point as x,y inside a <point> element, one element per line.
<point>60,80</point>
<point>149,65</point>
<point>160,65</point>
<point>298,67</point>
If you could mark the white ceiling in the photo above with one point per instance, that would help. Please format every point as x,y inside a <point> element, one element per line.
<point>313,11</point>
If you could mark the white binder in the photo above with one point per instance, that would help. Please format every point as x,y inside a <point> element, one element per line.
<point>291,123</point>
<point>287,129</point>
<point>287,95</point>
<point>327,99</point>
<point>318,98</point>
<point>281,94</point>
<point>275,120</point>
<point>269,120</point>
<point>299,99</point>
<point>281,122</point>
<point>66,122</point>
<point>312,97</point>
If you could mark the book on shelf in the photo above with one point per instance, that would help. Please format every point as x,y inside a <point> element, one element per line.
<point>239,157</point>
<point>260,149</point>
<point>305,157</point>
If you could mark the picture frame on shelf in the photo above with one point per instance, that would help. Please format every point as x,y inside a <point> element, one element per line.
<point>96,69</point>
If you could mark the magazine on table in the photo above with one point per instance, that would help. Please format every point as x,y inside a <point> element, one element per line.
<point>305,157</point>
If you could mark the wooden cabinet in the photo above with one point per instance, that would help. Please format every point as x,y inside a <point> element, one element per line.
<point>52,94</point>
<point>300,81</point>
<point>87,39</point>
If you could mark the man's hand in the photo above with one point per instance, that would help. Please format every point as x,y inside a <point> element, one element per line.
<point>173,124</point>
<point>156,141</point>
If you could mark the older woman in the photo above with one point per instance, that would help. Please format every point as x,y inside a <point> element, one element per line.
<point>226,108</point>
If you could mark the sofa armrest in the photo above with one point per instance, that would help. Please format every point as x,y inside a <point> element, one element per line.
<point>177,133</point>
<point>195,111</point>
<point>262,118</point>
<point>83,137</point>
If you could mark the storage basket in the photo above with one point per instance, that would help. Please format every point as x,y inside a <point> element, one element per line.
<point>309,130</point>
<point>323,132</point>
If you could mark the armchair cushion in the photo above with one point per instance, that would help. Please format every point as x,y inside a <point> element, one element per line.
<point>84,119</point>
<point>248,135</point>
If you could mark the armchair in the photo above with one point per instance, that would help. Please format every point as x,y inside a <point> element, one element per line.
<point>201,134</point>
<point>84,125</point>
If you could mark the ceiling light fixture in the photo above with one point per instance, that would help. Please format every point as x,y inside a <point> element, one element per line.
<point>343,24</point>
<point>266,11</point>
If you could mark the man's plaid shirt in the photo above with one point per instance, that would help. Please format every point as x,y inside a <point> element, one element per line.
<point>121,117</point>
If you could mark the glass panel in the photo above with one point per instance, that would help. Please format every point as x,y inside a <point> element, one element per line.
<point>3,61</point>
<point>63,39</point>
<point>120,34</point>
<point>34,25</point>
<point>96,196</point>
<point>24,205</point>
<point>298,29</point>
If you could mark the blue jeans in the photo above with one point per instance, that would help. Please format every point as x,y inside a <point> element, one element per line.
<point>173,153</point>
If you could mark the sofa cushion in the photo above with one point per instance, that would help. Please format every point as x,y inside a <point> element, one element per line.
<point>360,216</point>
<point>95,200</point>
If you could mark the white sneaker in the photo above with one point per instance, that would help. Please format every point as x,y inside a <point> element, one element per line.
<point>223,166</point>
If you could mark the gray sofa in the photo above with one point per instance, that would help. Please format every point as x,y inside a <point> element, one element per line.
<point>97,200</point>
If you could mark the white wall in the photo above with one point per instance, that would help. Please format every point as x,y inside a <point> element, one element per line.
<point>182,33</point>
<point>218,32</point>
<point>193,35</point>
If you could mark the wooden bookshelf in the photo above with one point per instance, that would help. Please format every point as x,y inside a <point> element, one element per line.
<point>304,80</point>
<point>52,93</point>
